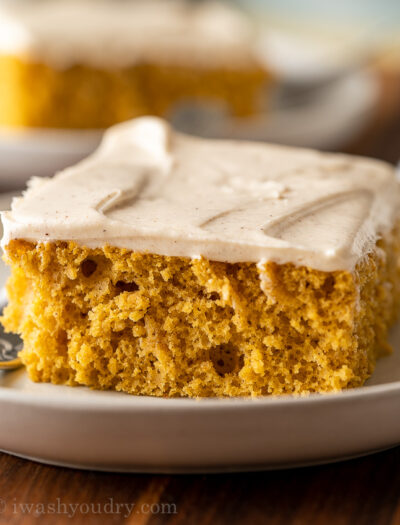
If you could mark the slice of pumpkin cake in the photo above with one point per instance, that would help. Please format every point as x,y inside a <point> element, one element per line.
<point>170,265</point>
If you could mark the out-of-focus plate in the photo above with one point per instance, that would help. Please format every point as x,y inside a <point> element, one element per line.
<point>83,428</point>
<point>325,119</point>
<point>41,152</point>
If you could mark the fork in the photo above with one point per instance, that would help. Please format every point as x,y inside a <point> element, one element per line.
<point>10,346</point>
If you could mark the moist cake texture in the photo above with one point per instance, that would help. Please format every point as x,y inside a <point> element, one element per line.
<point>90,64</point>
<point>174,266</point>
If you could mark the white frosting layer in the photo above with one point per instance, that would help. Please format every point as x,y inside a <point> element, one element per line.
<point>117,33</point>
<point>150,189</point>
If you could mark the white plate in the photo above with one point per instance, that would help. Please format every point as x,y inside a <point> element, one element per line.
<point>324,119</point>
<point>41,152</point>
<point>307,55</point>
<point>113,431</point>
<point>328,119</point>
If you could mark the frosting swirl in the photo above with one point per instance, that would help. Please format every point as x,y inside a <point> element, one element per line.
<point>148,188</point>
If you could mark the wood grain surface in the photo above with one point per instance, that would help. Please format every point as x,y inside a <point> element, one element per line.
<point>364,491</point>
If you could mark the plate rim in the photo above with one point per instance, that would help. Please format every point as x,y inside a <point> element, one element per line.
<point>129,402</point>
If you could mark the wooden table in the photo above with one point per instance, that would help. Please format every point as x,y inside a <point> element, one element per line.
<point>362,491</point>
<point>359,492</point>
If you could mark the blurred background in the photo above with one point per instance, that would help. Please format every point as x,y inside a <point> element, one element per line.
<point>358,40</point>
<point>333,77</point>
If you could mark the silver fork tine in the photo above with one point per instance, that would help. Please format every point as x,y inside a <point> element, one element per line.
<point>10,346</point>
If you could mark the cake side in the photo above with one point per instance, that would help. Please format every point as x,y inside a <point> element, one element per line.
<point>35,95</point>
<point>167,326</point>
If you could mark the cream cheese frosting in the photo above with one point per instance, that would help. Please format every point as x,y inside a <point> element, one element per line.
<point>118,33</point>
<point>150,189</point>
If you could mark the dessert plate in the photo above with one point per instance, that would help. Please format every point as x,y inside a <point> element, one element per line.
<point>41,152</point>
<point>83,428</point>
<point>326,119</point>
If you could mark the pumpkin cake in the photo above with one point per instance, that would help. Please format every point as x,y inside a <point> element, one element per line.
<point>92,63</point>
<point>170,265</point>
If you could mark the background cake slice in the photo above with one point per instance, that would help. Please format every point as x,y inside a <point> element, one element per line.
<point>175,266</point>
<point>90,64</point>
